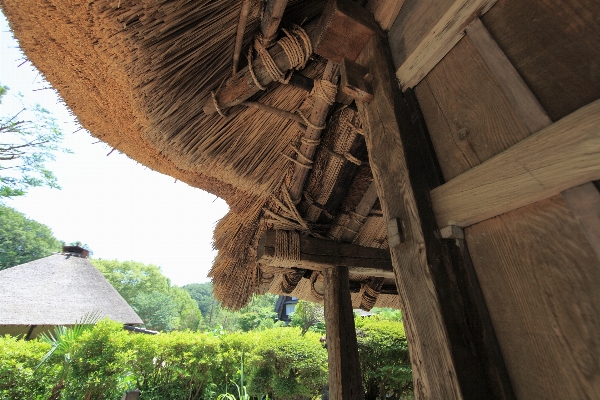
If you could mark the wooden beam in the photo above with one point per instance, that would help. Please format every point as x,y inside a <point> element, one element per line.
<point>584,200</point>
<point>242,86</point>
<point>434,373</point>
<point>363,209</point>
<point>442,37</point>
<point>319,254</point>
<point>345,380</point>
<point>530,110</point>
<point>317,118</point>
<point>444,345</point>
<point>269,25</point>
<point>385,11</point>
<point>561,156</point>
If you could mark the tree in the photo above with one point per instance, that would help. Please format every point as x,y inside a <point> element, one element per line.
<point>149,292</point>
<point>157,310</point>
<point>23,239</point>
<point>30,138</point>
<point>307,315</point>
<point>131,278</point>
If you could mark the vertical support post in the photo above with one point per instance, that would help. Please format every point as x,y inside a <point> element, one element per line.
<point>345,380</point>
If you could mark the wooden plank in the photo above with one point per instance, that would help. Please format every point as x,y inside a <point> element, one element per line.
<point>584,202</point>
<point>434,372</point>
<point>515,89</point>
<point>555,46</point>
<point>443,341</point>
<point>540,281</point>
<point>559,157</point>
<point>438,41</point>
<point>319,254</point>
<point>342,349</point>
<point>385,11</point>
<point>467,112</point>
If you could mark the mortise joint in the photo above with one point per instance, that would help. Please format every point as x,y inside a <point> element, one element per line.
<point>395,233</point>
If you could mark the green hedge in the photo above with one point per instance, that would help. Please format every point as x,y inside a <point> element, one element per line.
<point>106,361</point>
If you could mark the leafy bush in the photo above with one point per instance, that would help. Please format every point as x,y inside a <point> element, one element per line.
<point>18,378</point>
<point>384,358</point>
<point>288,365</point>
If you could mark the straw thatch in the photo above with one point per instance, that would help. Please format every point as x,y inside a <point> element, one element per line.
<point>137,75</point>
<point>59,290</point>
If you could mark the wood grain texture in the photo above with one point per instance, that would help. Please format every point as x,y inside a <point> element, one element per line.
<point>555,46</point>
<point>434,372</point>
<point>584,203</point>
<point>518,94</point>
<point>469,117</point>
<point>271,19</point>
<point>439,40</point>
<point>540,281</point>
<point>342,349</point>
<point>563,155</point>
<point>385,11</point>
<point>319,254</point>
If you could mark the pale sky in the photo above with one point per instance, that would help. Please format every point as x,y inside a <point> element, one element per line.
<point>121,209</point>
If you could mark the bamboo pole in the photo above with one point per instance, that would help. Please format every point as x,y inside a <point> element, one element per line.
<point>317,118</point>
<point>239,39</point>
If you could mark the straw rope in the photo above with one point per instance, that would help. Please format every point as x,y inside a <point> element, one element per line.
<point>325,90</point>
<point>308,123</point>
<point>287,248</point>
<point>217,107</point>
<point>251,69</point>
<point>313,279</point>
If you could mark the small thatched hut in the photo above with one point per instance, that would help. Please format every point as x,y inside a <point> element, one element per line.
<point>437,156</point>
<point>61,289</point>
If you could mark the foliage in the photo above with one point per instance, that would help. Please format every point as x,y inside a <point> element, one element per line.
<point>259,314</point>
<point>22,239</point>
<point>157,310</point>
<point>387,313</point>
<point>131,278</point>
<point>18,376</point>
<point>384,358</point>
<point>160,305</point>
<point>105,361</point>
<point>308,315</point>
<point>30,138</point>
<point>288,365</point>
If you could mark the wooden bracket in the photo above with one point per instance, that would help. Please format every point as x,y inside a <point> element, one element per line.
<point>452,232</point>
<point>355,83</point>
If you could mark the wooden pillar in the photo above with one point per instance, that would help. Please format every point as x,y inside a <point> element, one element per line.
<point>452,347</point>
<point>345,381</point>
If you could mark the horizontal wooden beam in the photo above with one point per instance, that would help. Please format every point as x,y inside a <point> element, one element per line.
<point>448,30</point>
<point>561,156</point>
<point>318,254</point>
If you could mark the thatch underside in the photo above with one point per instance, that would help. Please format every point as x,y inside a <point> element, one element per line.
<point>137,74</point>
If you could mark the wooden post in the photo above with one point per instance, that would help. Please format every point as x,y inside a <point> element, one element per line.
<point>345,382</point>
<point>452,355</point>
<point>269,25</point>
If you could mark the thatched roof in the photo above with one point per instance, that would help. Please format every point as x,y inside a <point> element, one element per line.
<point>137,75</point>
<point>59,290</point>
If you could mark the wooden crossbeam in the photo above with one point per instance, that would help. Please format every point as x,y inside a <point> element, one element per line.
<point>561,156</point>
<point>439,40</point>
<point>319,254</point>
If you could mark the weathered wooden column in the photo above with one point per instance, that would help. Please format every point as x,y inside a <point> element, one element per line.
<point>453,350</point>
<point>345,381</point>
